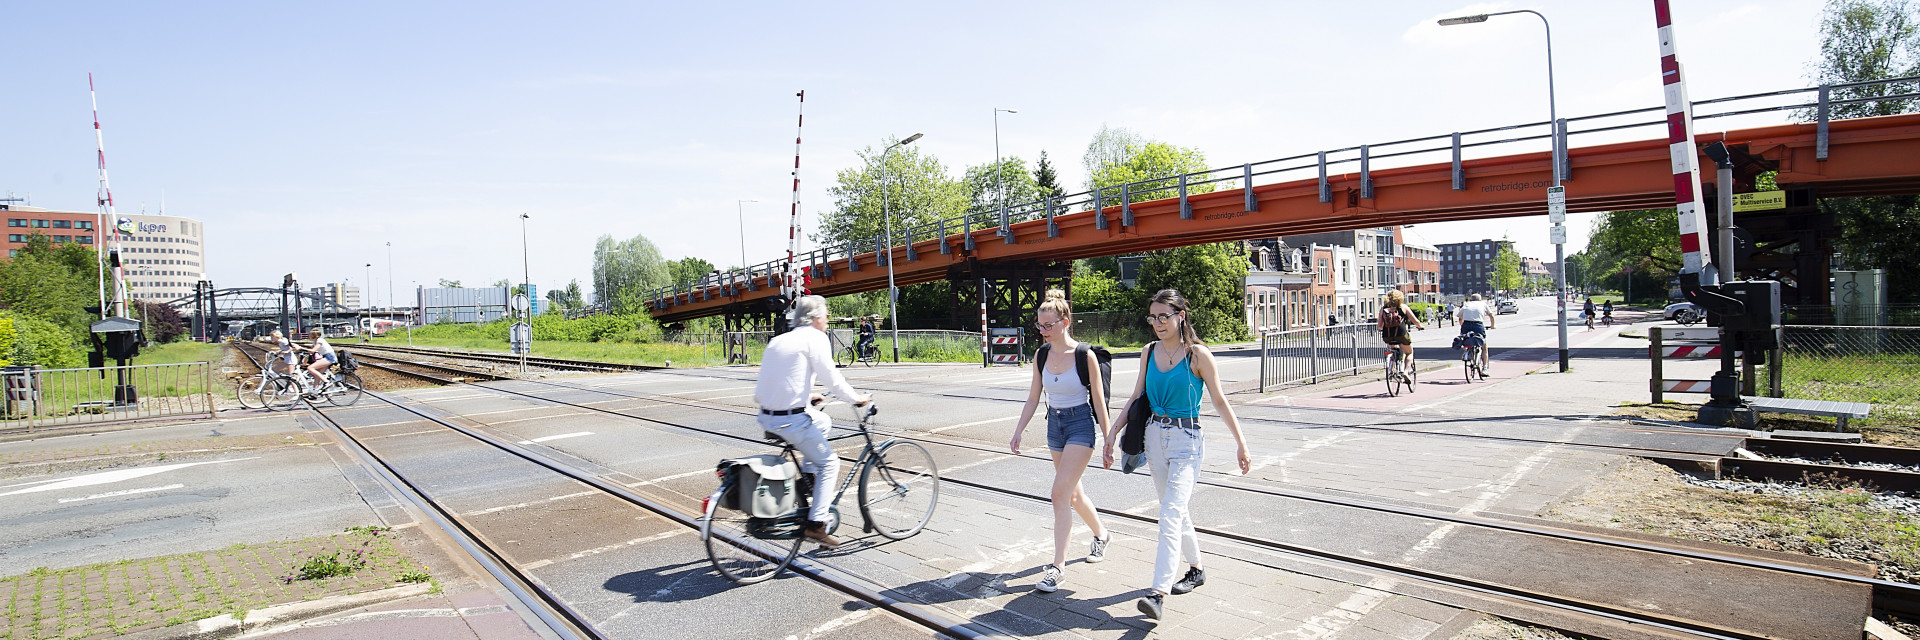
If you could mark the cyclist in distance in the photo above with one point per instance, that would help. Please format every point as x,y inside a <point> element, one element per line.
<point>789,408</point>
<point>1587,310</point>
<point>1476,318</point>
<point>323,359</point>
<point>1394,318</point>
<point>864,346</point>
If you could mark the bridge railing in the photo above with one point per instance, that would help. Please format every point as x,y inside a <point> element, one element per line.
<point>1323,165</point>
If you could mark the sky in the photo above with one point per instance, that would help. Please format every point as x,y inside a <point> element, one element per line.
<point>307,137</point>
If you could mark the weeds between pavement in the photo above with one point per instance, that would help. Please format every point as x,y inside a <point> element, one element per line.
<point>115,598</point>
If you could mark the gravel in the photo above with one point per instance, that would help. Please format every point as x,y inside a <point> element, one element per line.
<point>1891,501</point>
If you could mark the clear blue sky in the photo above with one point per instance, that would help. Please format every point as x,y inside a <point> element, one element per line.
<point>307,136</point>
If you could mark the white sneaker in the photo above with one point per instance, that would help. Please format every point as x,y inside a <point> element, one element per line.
<point>1050,582</point>
<point>1098,551</point>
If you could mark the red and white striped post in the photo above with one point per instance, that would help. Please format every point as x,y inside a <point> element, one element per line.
<point>789,280</point>
<point>986,348</point>
<point>1695,253</point>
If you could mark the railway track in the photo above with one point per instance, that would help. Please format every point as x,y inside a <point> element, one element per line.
<point>501,358</point>
<point>562,616</point>
<point>1889,596</point>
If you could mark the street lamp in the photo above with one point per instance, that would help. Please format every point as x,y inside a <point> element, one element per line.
<point>999,180</point>
<point>740,210</point>
<point>526,289</point>
<point>389,280</point>
<point>886,215</point>
<point>1553,126</point>
<point>365,298</point>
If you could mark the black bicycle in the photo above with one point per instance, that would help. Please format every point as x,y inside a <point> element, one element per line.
<point>899,487</point>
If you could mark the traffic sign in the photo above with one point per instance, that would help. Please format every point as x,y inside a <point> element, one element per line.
<point>1559,234</point>
<point>1557,205</point>
<point>520,302</point>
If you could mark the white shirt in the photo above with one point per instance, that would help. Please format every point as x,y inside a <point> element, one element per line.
<point>788,367</point>
<point>1474,311</point>
<point>286,351</point>
<point>321,349</point>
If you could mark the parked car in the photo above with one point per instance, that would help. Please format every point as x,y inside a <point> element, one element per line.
<point>1685,313</point>
<point>1506,306</point>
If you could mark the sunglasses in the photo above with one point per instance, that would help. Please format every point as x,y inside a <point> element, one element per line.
<point>1162,318</point>
<point>1048,326</point>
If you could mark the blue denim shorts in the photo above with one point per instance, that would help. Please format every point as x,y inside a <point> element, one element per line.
<point>1071,425</point>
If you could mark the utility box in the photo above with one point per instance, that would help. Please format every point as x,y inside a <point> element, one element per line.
<point>1860,297</point>
<point>1762,299</point>
<point>119,338</point>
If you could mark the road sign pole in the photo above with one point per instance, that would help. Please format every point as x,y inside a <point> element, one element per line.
<point>1557,213</point>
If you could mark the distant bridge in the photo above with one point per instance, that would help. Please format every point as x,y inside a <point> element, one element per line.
<point>1821,159</point>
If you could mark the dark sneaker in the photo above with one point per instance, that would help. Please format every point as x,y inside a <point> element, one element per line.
<point>1195,577</point>
<point>818,533</point>
<point>1098,552</point>
<point>1050,582</point>
<point>1151,605</point>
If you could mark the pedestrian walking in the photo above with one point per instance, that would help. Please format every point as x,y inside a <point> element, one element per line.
<point>1173,371</point>
<point>1068,372</point>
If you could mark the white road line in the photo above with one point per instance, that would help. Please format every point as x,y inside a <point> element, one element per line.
<point>743,395</point>
<point>488,413</point>
<point>477,395</point>
<point>644,406</point>
<point>386,424</point>
<point>108,477</point>
<point>682,393</point>
<point>836,624</point>
<point>9,486</point>
<point>575,434</point>
<point>971,424</point>
<point>557,415</point>
<point>614,547</point>
<point>529,504</point>
<point>676,476</point>
<point>1486,498</point>
<point>127,492</point>
<point>409,433</point>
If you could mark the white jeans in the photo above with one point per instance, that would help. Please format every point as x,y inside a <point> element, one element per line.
<point>807,432</point>
<point>1173,454</point>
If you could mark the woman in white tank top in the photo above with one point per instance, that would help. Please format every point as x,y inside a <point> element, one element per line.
<point>1076,413</point>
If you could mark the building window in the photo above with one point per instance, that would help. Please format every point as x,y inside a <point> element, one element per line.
<point>16,222</point>
<point>15,237</point>
<point>40,224</point>
<point>63,239</point>
<point>83,224</point>
<point>86,239</point>
<point>63,224</point>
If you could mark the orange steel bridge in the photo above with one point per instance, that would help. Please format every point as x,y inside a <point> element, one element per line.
<point>1838,158</point>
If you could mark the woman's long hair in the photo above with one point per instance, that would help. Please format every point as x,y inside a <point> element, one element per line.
<point>1172,298</point>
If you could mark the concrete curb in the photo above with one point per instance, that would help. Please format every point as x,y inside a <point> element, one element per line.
<point>226,626</point>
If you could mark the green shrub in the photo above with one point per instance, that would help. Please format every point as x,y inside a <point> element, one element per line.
<point>27,340</point>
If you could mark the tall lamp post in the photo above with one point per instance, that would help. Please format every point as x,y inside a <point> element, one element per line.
<point>526,289</point>
<point>389,280</point>
<point>366,302</point>
<point>739,209</point>
<point>999,180</point>
<point>1553,125</point>
<point>886,213</point>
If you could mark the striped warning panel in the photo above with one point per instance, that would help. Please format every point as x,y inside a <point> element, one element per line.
<point>1006,339</point>
<point>1006,358</point>
<point>1694,352</point>
<point>1683,386</point>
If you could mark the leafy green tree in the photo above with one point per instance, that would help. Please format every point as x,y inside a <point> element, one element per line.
<point>1006,182</point>
<point>162,323</point>
<point>916,189</point>
<point>1045,180</point>
<point>1111,147</point>
<point>624,270</point>
<point>43,282</point>
<point>687,269</point>
<point>1506,270</point>
<point>1097,291</point>
<point>1212,277</point>
<point>27,340</point>
<point>1865,40</point>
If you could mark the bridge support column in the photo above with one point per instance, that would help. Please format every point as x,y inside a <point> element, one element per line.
<point>1012,293</point>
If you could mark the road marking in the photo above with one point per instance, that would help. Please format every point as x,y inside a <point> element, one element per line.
<point>575,434</point>
<point>682,393</point>
<point>107,477</point>
<point>614,547</point>
<point>835,624</point>
<point>676,476</point>
<point>1486,498</point>
<point>743,395</point>
<point>9,486</point>
<point>488,413</point>
<point>477,395</point>
<point>386,424</point>
<point>971,424</point>
<point>644,406</point>
<point>409,433</point>
<point>522,505</point>
<point>557,415</point>
<point>127,492</point>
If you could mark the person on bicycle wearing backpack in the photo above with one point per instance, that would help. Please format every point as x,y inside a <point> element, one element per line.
<point>323,359</point>
<point>791,410</point>
<point>1393,320</point>
<point>1069,373</point>
<point>1475,320</point>
<point>1587,312</point>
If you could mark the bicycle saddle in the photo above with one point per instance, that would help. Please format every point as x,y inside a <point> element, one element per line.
<point>772,437</point>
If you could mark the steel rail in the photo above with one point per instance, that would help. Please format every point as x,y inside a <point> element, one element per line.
<point>833,577</point>
<point>1899,597</point>
<point>553,363</point>
<point>426,365</point>
<point>545,605</point>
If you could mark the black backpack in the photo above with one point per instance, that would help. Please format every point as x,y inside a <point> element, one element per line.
<point>347,363</point>
<point>1100,354</point>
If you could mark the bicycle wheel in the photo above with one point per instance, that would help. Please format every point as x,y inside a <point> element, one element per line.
<point>899,488</point>
<point>247,391</point>
<point>346,390</point>
<point>733,550</point>
<point>872,359</point>
<point>1393,366</point>
<point>844,358</point>
<point>280,394</point>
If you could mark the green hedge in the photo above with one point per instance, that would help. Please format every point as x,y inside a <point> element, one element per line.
<point>634,328</point>
<point>27,340</point>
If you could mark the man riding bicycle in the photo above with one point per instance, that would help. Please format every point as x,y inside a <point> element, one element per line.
<point>789,408</point>
<point>1475,319</point>
<point>864,346</point>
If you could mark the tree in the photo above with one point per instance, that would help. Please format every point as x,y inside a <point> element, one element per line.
<point>1045,180</point>
<point>987,183</point>
<point>1154,169</point>
<point>1111,147</point>
<point>162,323</point>
<point>1212,277</point>
<point>44,282</point>
<point>565,298</point>
<point>27,340</point>
<point>916,190</point>
<point>687,269</point>
<point>623,270</point>
<point>1864,40</point>
<point>449,284</point>
<point>1506,275</point>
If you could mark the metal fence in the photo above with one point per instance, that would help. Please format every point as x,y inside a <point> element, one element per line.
<point>920,345</point>
<point>1307,355</point>
<point>1878,365</point>
<point>38,398</point>
<point>1886,315</point>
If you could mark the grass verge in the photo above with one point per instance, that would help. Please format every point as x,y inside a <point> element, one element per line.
<point>1892,433</point>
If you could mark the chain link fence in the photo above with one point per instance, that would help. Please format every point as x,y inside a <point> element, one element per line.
<point>1878,365</point>
<point>1886,315</point>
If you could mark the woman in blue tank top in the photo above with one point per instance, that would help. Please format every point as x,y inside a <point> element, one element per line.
<point>1174,371</point>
